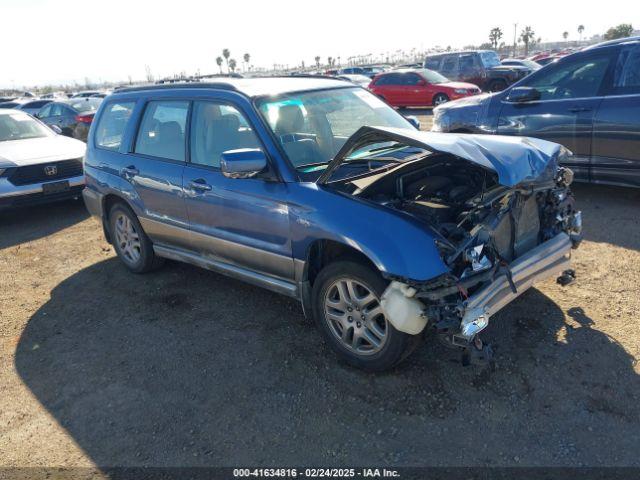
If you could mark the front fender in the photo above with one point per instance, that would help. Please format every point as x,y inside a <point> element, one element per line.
<point>398,245</point>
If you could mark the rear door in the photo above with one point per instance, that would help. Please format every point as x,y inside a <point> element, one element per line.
<point>154,170</point>
<point>616,130</point>
<point>571,92</point>
<point>390,87</point>
<point>240,221</point>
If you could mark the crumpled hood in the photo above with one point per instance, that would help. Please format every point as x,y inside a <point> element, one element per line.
<point>18,153</point>
<point>515,160</point>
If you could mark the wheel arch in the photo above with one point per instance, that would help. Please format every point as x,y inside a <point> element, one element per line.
<point>108,201</point>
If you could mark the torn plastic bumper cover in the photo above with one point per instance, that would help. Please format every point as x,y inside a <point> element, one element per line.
<point>544,261</point>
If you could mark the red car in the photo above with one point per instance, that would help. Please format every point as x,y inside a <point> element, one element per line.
<point>418,88</point>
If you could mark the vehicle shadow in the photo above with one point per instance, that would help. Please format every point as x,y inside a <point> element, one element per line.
<point>184,367</point>
<point>26,224</point>
<point>610,214</point>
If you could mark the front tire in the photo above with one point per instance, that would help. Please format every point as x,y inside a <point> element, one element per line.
<point>346,305</point>
<point>132,245</point>
<point>439,99</point>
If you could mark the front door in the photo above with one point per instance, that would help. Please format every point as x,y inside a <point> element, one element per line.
<point>241,221</point>
<point>570,93</point>
<point>616,129</point>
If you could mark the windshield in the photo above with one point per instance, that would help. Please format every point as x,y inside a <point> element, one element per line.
<point>433,77</point>
<point>490,59</point>
<point>313,126</point>
<point>20,126</point>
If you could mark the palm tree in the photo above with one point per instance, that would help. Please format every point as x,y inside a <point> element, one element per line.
<point>527,35</point>
<point>329,61</point>
<point>232,65</point>
<point>317,61</point>
<point>226,54</point>
<point>219,63</point>
<point>246,57</point>
<point>565,35</point>
<point>580,30</point>
<point>494,36</point>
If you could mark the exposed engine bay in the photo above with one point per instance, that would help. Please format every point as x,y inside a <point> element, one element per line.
<point>480,226</point>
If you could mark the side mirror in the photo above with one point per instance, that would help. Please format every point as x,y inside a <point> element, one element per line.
<point>422,83</point>
<point>523,94</point>
<point>243,163</point>
<point>413,121</point>
<point>56,129</point>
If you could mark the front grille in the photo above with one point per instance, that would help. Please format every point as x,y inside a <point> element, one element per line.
<point>46,172</point>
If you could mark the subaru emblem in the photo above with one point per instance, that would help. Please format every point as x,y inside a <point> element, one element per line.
<point>50,170</point>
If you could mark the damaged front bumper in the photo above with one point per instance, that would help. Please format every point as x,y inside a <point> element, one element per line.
<point>544,261</point>
<point>400,302</point>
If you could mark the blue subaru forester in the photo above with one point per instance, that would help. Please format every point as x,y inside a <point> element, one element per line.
<point>316,189</point>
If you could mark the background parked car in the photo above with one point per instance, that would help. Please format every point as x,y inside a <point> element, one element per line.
<point>420,87</point>
<point>588,102</point>
<point>480,67</point>
<point>36,164</point>
<point>367,70</point>
<point>73,116</point>
<point>34,106</point>
<point>85,94</point>
<point>361,80</point>
<point>517,62</point>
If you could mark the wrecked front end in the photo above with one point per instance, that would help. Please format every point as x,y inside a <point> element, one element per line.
<point>502,219</point>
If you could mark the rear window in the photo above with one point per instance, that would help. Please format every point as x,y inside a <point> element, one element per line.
<point>112,125</point>
<point>85,104</point>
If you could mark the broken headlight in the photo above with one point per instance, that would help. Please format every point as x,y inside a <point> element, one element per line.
<point>478,259</point>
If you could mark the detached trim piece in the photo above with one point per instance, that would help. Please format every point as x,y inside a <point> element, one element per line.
<point>545,261</point>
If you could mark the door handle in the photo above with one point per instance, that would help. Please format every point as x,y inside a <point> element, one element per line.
<point>579,109</point>
<point>130,171</point>
<point>199,185</point>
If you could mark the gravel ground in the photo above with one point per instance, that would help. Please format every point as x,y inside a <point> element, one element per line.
<point>100,367</point>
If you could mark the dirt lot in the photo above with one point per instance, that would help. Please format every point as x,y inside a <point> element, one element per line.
<point>186,367</point>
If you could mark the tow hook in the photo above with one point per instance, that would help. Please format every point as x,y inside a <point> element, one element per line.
<point>567,277</point>
<point>478,353</point>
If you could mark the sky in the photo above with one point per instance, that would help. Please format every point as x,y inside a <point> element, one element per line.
<point>65,41</point>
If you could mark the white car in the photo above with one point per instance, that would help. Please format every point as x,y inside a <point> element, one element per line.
<point>37,165</point>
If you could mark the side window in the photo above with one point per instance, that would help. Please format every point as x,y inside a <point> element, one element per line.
<point>466,62</point>
<point>627,72</point>
<point>383,80</point>
<point>432,63</point>
<point>394,79</point>
<point>56,110</point>
<point>216,128</point>
<point>45,112</point>
<point>580,78</point>
<point>449,63</point>
<point>162,130</point>
<point>112,125</point>
<point>413,79</point>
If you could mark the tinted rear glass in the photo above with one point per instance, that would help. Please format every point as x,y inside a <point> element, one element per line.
<point>112,125</point>
<point>85,104</point>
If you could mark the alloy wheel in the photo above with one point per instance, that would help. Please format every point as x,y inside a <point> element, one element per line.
<point>127,238</point>
<point>355,317</point>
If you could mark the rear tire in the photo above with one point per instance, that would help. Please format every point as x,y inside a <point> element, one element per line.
<point>130,242</point>
<point>346,307</point>
<point>439,99</point>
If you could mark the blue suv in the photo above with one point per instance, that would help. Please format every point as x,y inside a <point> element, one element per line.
<point>316,189</point>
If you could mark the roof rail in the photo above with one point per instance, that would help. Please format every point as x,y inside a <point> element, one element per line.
<point>170,86</point>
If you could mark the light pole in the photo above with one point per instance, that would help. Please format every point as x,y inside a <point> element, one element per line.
<point>515,28</point>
